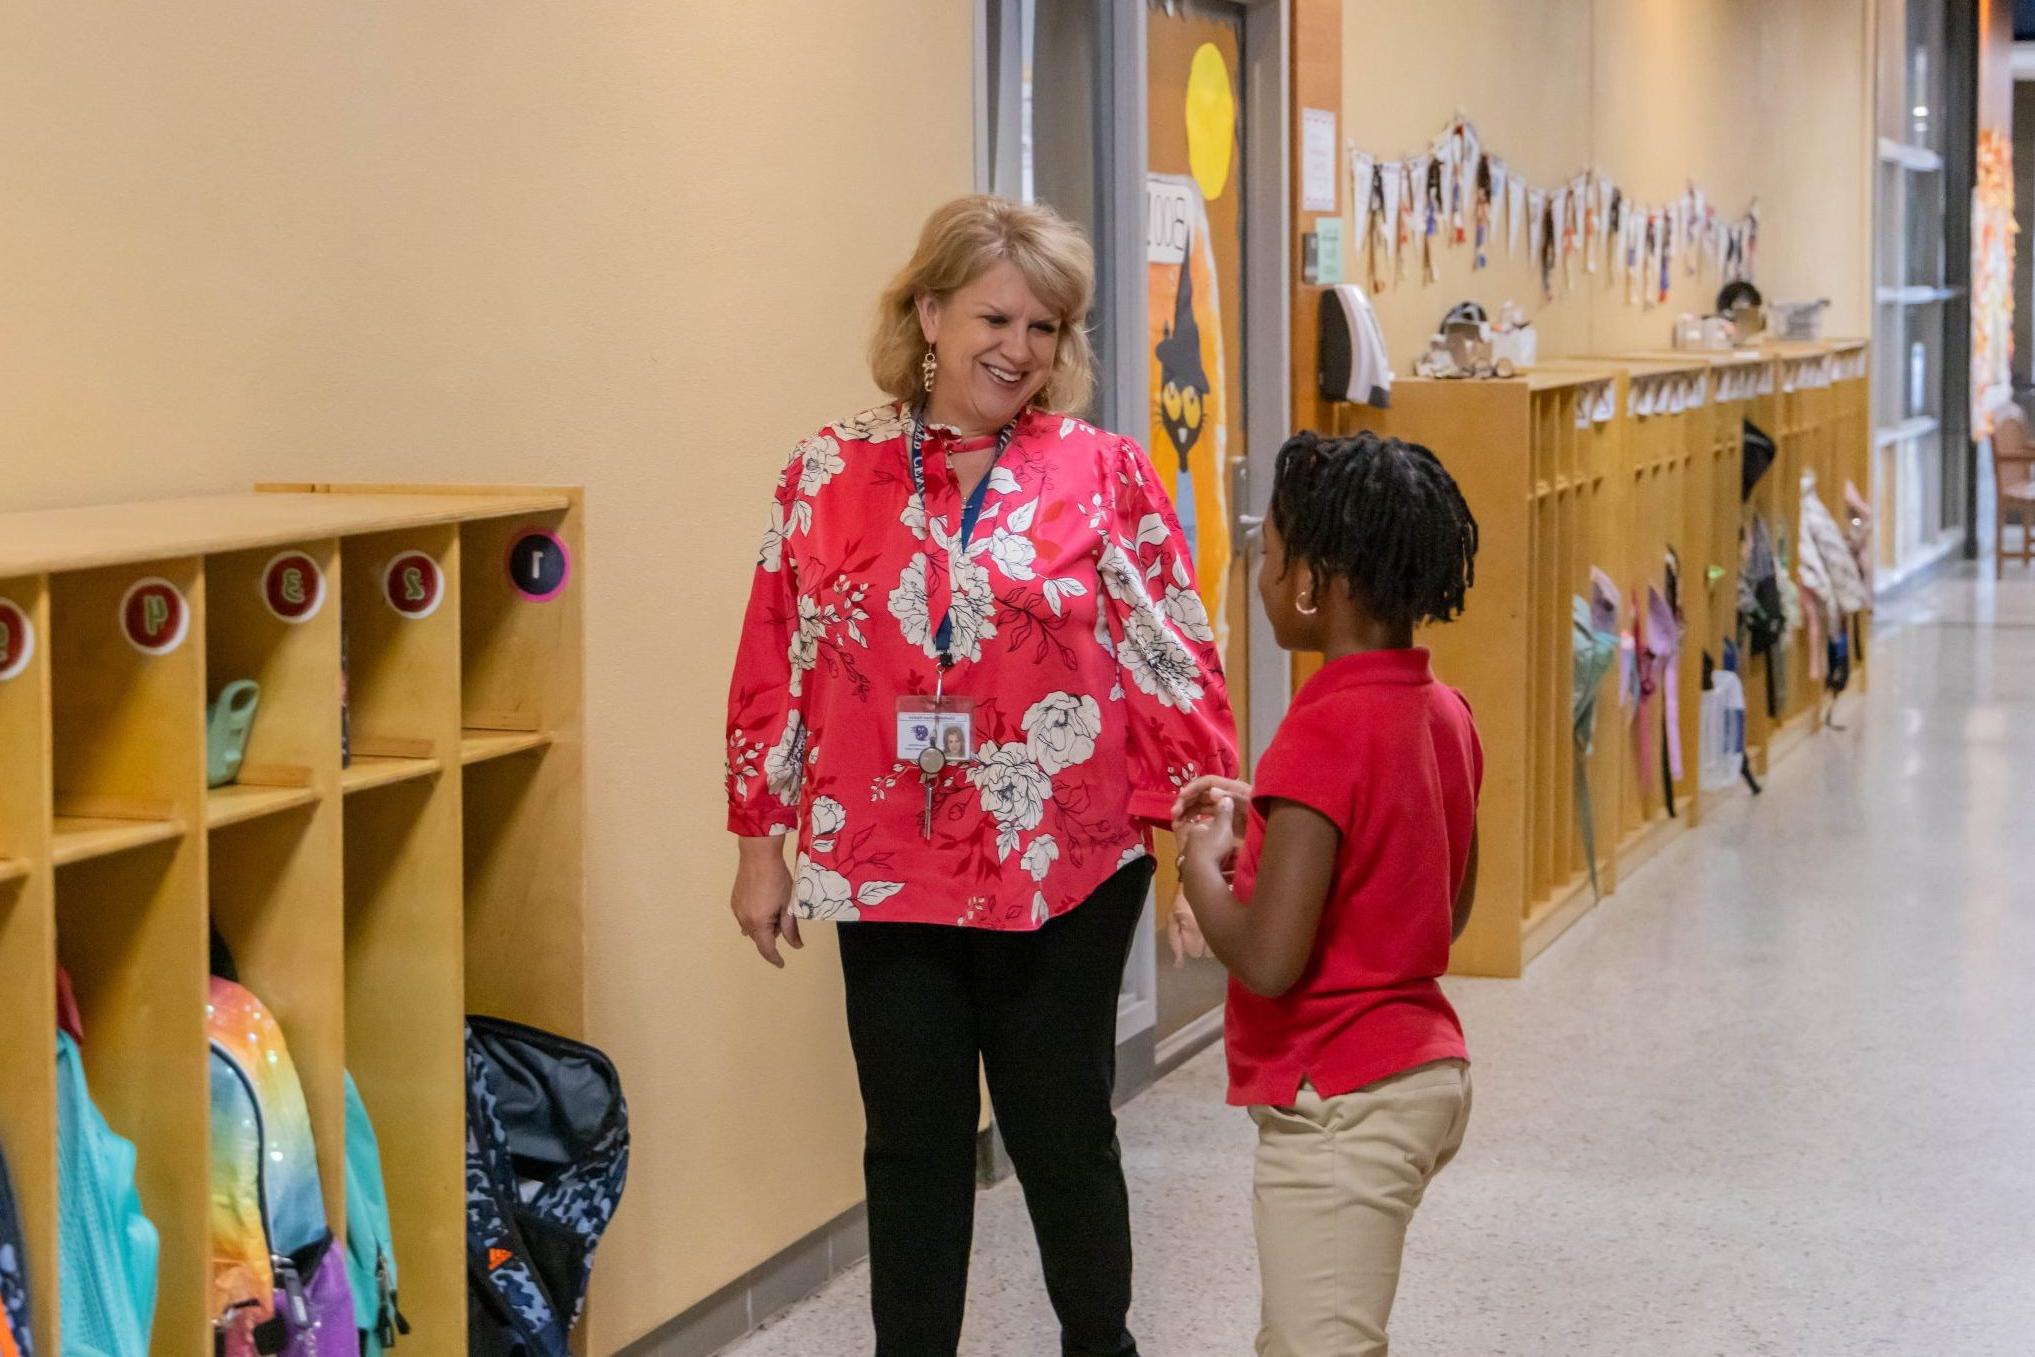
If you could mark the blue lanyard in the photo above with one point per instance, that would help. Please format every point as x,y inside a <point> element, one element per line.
<point>970,512</point>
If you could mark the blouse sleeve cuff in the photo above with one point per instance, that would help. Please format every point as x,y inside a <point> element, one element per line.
<point>754,824</point>
<point>1153,807</point>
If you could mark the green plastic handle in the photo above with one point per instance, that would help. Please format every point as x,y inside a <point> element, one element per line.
<point>226,727</point>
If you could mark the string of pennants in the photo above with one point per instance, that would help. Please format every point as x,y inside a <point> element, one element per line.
<point>1409,211</point>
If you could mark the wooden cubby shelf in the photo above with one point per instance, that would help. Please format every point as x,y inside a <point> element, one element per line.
<point>80,838</point>
<point>237,803</point>
<point>368,771</point>
<point>478,746</point>
<point>1611,462</point>
<point>371,894</point>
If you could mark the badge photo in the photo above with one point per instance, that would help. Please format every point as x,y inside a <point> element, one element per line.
<point>17,639</point>
<point>413,585</point>
<point>292,587</point>
<point>154,616</point>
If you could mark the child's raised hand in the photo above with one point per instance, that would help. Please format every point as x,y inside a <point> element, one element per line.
<point>1212,837</point>
<point>1197,801</point>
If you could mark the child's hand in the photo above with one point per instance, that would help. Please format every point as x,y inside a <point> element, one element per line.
<point>1212,837</point>
<point>1197,801</point>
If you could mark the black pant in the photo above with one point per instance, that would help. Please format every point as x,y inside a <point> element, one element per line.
<point>925,1002</point>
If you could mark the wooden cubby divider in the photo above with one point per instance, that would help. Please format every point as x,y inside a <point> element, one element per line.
<point>1609,462</point>
<point>369,903</point>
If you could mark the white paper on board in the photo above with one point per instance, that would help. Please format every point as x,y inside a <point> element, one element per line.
<point>1317,160</point>
<point>1517,235</point>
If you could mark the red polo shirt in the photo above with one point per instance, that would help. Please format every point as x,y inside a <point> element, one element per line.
<point>1392,757</point>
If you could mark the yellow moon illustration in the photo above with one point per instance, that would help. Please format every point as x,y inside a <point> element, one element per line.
<point>1211,121</point>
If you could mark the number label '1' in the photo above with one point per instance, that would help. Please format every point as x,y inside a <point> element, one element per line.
<point>538,565</point>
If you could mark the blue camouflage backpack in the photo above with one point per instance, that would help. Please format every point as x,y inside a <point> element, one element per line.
<point>547,1153</point>
<point>15,1338</point>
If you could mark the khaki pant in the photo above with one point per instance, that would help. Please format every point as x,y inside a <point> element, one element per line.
<point>1338,1180</point>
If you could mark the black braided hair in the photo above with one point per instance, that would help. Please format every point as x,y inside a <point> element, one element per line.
<point>1384,515</point>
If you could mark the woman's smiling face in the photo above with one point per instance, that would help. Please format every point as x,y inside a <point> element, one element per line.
<point>995,342</point>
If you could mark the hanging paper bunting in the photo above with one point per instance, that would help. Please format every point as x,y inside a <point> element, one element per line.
<point>1402,217</point>
<point>1501,188</point>
<point>1457,193</point>
<point>1483,210</point>
<point>1433,214</point>
<point>1519,213</point>
<point>1360,196</point>
<point>1693,257</point>
<point>1469,165</point>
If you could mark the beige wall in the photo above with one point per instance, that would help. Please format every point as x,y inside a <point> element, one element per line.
<point>1521,73</point>
<point>1747,97</point>
<point>630,245</point>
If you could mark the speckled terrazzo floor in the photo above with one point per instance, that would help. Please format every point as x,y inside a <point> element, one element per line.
<point>1776,1097</point>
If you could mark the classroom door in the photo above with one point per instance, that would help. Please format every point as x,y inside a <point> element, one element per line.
<point>1194,248</point>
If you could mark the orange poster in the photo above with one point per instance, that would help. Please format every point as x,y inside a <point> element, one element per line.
<point>1189,440</point>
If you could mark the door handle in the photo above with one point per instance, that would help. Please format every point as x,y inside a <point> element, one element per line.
<point>1247,530</point>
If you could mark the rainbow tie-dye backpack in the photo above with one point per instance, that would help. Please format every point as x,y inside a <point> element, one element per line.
<point>278,1280</point>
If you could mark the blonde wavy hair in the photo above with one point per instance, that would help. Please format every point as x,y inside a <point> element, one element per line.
<point>961,240</point>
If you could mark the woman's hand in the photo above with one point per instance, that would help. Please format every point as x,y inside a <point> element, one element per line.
<point>1197,801</point>
<point>761,900</point>
<point>1183,931</point>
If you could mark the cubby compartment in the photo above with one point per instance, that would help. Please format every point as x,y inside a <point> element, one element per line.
<point>404,1024</point>
<point>127,707</point>
<point>131,935</point>
<point>1656,456</point>
<point>275,904</point>
<point>400,656</point>
<point>520,696</point>
<point>273,622</point>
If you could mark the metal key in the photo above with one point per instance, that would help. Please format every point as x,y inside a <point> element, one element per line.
<point>931,761</point>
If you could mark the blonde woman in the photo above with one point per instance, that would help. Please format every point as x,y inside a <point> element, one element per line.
<point>974,673</point>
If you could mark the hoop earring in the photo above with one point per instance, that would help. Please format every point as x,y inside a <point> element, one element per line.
<point>1304,610</point>
<point>929,365</point>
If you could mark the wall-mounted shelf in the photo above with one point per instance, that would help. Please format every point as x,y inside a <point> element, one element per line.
<point>370,906</point>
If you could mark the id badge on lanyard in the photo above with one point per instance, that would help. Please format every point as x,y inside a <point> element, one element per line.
<point>939,732</point>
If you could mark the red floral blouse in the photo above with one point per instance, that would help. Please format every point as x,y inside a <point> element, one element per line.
<point>1077,630</point>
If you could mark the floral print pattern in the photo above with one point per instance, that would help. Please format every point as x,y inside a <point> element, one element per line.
<point>1077,634</point>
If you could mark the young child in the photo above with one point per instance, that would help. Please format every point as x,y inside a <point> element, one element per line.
<point>1358,863</point>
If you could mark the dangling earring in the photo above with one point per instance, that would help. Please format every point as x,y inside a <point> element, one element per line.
<point>1303,609</point>
<point>929,365</point>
